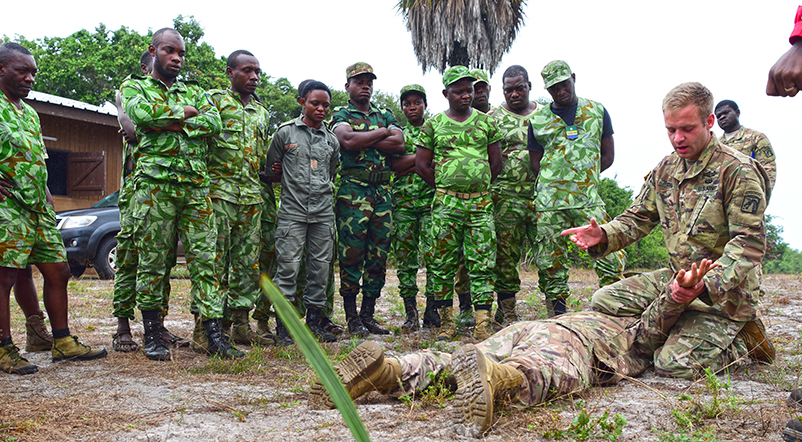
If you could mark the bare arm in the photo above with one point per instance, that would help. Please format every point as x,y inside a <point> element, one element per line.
<point>403,164</point>
<point>534,162</point>
<point>607,153</point>
<point>351,141</point>
<point>393,144</point>
<point>127,127</point>
<point>494,156</point>
<point>423,165</point>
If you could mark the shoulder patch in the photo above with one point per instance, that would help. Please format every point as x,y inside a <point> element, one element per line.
<point>751,202</point>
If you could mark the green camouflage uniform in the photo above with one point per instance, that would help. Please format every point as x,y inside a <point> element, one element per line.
<point>513,194</point>
<point>308,159</point>
<point>29,233</point>
<point>756,145</point>
<point>267,247</point>
<point>411,218</point>
<point>567,194</point>
<point>364,207</point>
<point>556,357</point>
<point>234,161</point>
<point>710,208</point>
<point>171,188</point>
<point>462,210</point>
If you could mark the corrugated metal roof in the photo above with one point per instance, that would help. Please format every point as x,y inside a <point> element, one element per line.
<point>107,108</point>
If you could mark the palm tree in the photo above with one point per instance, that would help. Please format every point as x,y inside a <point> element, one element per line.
<point>474,33</point>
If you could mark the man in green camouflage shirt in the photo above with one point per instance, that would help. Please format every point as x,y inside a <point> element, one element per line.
<point>709,202</point>
<point>368,137</point>
<point>513,191</point>
<point>412,211</point>
<point>528,362</point>
<point>234,161</point>
<point>481,91</point>
<point>29,233</point>
<point>747,141</point>
<point>464,144</point>
<point>571,143</point>
<point>173,120</point>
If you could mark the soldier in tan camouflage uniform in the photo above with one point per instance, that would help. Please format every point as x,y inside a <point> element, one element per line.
<point>747,141</point>
<point>709,202</point>
<point>532,362</point>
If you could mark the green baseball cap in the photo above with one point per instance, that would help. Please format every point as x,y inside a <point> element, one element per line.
<point>555,72</point>
<point>480,75</point>
<point>357,69</point>
<point>412,88</point>
<point>456,73</point>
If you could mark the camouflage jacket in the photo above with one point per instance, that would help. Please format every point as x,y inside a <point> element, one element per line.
<point>460,150</point>
<point>410,190</point>
<point>308,159</point>
<point>516,177</point>
<point>161,155</point>
<point>236,153</point>
<point>22,155</point>
<point>369,159</point>
<point>756,145</point>
<point>709,208</point>
<point>569,170</point>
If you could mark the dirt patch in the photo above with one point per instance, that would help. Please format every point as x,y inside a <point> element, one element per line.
<point>127,397</point>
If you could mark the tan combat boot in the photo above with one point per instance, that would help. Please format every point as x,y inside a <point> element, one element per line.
<point>447,327</point>
<point>69,348</point>
<point>479,382</point>
<point>241,331</point>
<point>757,342</point>
<point>509,311</point>
<point>199,344</point>
<point>483,328</point>
<point>12,362</point>
<point>39,337</point>
<point>364,369</point>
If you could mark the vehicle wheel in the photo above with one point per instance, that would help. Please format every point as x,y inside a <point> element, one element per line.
<point>76,269</point>
<point>105,261</point>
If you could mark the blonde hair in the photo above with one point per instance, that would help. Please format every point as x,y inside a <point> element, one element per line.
<point>689,94</point>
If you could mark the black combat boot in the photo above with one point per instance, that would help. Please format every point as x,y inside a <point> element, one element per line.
<point>218,342</point>
<point>313,320</point>
<point>283,336</point>
<point>411,308</point>
<point>355,326</point>
<point>559,306</point>
<point>366,315</point>
<point>465,318</point>
<point>154,346</point>
<point>431,317</point>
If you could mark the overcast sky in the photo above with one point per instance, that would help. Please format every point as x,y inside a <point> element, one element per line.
<point>626,54</point>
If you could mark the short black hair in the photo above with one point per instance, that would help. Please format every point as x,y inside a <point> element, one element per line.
<point>418,93</point>
<point>302,85</point>
<point>515,71</point>
<point>231,61</point>
<point>729,103</point>
<point>157,36</point>
<point>146,58</point>
<point>314,85</point>
<point>8,49</point>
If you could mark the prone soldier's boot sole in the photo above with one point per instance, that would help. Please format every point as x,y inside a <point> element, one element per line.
<point>473,403</point>
<point>357,367</point>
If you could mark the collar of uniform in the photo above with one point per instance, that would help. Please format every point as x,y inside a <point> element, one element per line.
<point>739,133</point>
<point>18,110</point>
<point>504,110</point>
<point>300,122</point>
<point>680,173</point>
<point>178,85</point>
<point>373,109</point>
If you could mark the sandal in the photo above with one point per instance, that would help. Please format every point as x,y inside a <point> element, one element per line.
<point>173,340</point>
<point>125,345</point>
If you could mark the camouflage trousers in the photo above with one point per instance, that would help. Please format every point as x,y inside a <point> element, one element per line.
<point>162,212</point>
<point>461,229</point>
<point>516,225</point>
<point>552,257</point>
<point>317,240</point>
<point>554,361</point>
<point>28,237</point>
<point>365,226</point>
<point>238,249</point>
<point>127,260</point>
<point>683,338</point>
<point>410,225</point>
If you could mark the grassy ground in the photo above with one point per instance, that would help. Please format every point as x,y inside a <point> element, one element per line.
<point>263,397</point>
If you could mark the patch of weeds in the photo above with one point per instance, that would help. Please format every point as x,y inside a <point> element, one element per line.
<point>713,400</point>
<point>286,352</point>
<point>703,435</point>
<point>290,404</point>
<point>254,362</point>
<point>586,427</point>
<point>437,394</point>
<point>434,344</point>
<point>337,354</point>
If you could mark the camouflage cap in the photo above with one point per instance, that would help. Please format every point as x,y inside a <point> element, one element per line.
<point>358,68</point>
<point>412,88</point>
<point>480,75</point>
<point>555,72</point>
<point>456,73</point>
